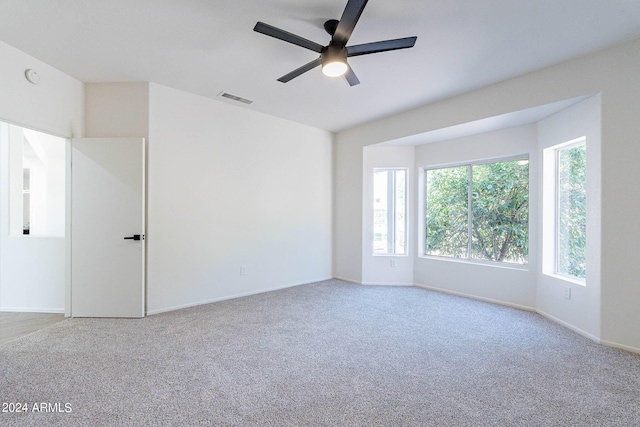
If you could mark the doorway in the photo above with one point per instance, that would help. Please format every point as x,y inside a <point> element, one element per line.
<point>33,170</point>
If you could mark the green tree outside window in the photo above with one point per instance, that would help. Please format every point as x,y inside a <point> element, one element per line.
<point>479,212</point>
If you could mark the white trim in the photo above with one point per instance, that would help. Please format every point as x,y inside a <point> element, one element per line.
<point>462,294</point>
<point>620,346</point>
<point>487,263</point>
<point>392,255</point>
<point>482,161</point>
<point>581,140</point>
<point>357,282</point>
<point>570,326</point>
<point>67,229</point>
<point>228,297</point>
<point>31,310</point>
<point>537,311</point>
<point>387,284</point>
<point>44,129</point>
<point>568,279</point>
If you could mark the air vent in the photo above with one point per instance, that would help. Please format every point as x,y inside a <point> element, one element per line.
<point>235,98</point>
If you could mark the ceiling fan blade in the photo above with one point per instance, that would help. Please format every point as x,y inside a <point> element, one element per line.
<point>383,46</point>
<point>286,36</point>
<point>351,77</point>
<point>295,73</point>
<point>348,21</point>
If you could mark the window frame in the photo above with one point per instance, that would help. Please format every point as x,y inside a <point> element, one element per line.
<point>391,213</point>
<point>469,165</point>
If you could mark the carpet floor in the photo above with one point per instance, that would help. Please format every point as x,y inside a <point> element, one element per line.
<point>324,354</point>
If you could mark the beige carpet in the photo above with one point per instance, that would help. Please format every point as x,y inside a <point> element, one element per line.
<point>325,354</point>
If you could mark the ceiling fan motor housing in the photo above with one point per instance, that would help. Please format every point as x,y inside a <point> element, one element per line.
<point>333,53</point>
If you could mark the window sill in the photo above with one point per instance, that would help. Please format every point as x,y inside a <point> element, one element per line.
<point>505,266</point>
<point>391,255</point>
<point>568,279</point>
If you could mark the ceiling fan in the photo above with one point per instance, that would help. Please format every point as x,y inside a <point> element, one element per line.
<point>333,57</point>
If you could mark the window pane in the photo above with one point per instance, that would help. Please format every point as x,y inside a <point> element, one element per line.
<point>400,238</point>
<point>446,221</point>
<point>572,211</point>
<point>500,207</point>
<point>389,211</point>
<point>380,212</point>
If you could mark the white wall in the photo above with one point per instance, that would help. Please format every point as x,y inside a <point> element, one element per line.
<point>582,311</point>
<point>32,269</point>
<point>55,105</point>
<point>347,201</point>
<point>117,110</point>
<point>377,269</point>
<point>229,187</point>
<point>513,286</point>
<point>226,187</point>
<point>613,73</point>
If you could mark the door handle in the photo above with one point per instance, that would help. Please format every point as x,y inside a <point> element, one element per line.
<point>134,237</point>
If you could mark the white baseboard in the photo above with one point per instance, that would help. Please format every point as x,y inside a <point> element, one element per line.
<point>462,294</point>
<point>228,297</point>
<point>344,279</point>
<point>540,312</point>
<point>588,335</point>
<point>570,326</point>
<point>620,346</point>
<point>358,282</point>
<point>431,288</point>
<point>32,310</point>
<point>386,284</point>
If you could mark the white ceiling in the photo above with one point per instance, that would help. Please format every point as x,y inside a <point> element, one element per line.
<point>209,46</point>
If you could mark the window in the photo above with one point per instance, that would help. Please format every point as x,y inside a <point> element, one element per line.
<point>571,209</point>
<point>390,212</point>
<point>478,211</point>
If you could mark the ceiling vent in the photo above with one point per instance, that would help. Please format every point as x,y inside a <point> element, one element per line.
<point>235,98</point>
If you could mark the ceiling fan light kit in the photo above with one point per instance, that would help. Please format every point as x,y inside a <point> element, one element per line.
<point>334,61</point>
<point>333,57</point>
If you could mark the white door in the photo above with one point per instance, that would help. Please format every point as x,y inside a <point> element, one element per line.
<point>107,219</point>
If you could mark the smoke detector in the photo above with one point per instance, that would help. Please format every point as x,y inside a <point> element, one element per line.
<point>32,76</point>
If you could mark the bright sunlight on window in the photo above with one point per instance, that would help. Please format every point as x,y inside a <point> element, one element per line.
<point>478,212</point>
<point>571,210</point>
<point>390,212</point>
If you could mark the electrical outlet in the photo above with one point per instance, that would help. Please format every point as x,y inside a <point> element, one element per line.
<point>393,262</point>
<point>566,291</point>
<point>243,270</point>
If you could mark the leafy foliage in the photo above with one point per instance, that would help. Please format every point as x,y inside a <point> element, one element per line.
<point>447,212</point>
<point>500,206</point>
<point>572,211</point>
<point>499,212</point>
